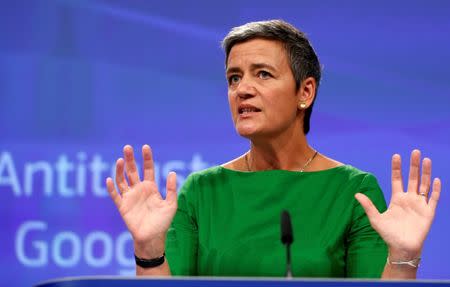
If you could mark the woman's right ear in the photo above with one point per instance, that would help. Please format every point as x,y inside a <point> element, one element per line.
<point>306,93</point>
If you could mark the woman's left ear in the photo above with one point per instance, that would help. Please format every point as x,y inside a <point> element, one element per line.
<point>306,93</point>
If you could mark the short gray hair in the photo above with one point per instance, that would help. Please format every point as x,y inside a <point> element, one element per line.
<point>302,58</point>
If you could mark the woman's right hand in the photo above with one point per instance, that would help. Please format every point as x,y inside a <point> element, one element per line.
<point>146,214</point>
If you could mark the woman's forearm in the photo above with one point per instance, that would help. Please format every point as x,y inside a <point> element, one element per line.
<point>152,249</point>
<point>399,272</point>
<point>162,270</point>
<point>394,270</point>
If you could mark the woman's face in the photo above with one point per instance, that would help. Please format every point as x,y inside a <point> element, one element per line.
<point>261,89</point>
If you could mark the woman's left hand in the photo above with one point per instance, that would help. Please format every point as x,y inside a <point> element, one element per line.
<point>405,224</point>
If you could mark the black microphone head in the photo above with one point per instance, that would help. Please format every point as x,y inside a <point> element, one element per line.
<point>286,228</point>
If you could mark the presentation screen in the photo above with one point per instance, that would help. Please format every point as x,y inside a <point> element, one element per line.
<point>81,79</point>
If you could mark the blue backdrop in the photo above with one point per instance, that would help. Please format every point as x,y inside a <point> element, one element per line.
<point>80,79</point>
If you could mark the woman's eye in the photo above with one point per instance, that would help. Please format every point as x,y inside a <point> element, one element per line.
<point>264,74</point>
<point>233,79</point>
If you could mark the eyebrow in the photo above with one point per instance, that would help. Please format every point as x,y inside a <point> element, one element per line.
<point>254,66</point>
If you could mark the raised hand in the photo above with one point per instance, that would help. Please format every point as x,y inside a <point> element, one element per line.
<point>146,214</point>
<point>407,221</point>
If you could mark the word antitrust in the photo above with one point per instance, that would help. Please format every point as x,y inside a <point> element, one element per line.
<point>73,178</point>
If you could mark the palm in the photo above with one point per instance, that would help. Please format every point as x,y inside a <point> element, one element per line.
<point>146,214</point>
<point>405,224</point>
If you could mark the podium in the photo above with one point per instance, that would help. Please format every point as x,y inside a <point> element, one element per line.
<point>116,281</point>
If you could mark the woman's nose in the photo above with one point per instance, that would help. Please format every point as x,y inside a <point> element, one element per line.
<point>246,89</point>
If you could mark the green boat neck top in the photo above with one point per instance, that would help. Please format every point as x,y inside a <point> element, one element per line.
<point>228,224</point>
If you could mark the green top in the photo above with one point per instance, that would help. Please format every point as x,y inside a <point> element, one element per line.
<point>228,224</point>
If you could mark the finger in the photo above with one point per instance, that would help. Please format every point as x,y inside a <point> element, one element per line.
<point>369,208</point>
<point>149,173</point>
<point>396,176</point>
<point>130,164</point>
<point>171,187</point>
<point>113,192</point>
<point>435,194</point>
<point>425,180</point>
<point>120,179</point>
<point>414,172</point>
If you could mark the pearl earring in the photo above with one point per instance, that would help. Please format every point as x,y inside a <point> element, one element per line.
<point>302,105</point>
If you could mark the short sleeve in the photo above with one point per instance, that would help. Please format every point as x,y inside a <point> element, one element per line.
<point>366,251</point>
<point>182,236</point>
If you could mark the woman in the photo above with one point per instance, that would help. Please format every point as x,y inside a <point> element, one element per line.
<point>225,220</point>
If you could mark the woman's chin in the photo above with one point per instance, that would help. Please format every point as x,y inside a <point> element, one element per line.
<point>247,132</point>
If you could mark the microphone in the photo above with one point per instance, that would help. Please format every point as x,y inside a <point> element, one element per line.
<point>287,238</point>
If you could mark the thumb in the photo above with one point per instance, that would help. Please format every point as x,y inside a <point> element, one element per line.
<point>369,208</point>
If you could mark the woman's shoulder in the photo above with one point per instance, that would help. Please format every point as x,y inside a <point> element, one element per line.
<point>236,164</point>
<point>325,163</point>
<point>207,172</point>
<point>324,168</point>
<point>354,179</point>
<point>199,177</point>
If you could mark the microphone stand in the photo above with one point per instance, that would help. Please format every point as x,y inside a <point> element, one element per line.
<point>288,263</point>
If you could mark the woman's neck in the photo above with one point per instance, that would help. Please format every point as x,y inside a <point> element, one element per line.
<point>289,152</point>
